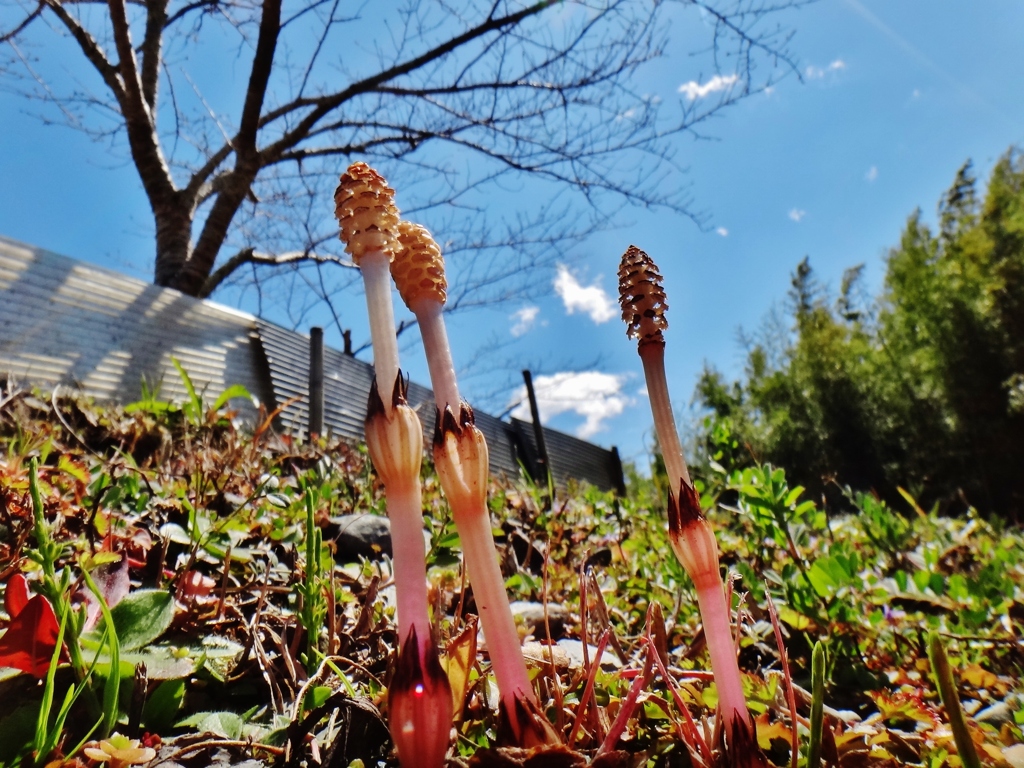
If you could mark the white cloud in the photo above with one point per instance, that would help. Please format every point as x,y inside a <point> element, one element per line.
<point>722,231</point>
<point>817,73</point>
<point>915,94</point>
<point>695,90</point>
<point>594,395</point>
<point>872,173</point>
<point>525,318</point>
<point>796,214</point>
<point>590,299</point>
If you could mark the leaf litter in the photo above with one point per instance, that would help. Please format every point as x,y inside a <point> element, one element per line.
<point>195,533</point>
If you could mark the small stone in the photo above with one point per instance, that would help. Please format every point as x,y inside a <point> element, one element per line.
<point>574,649</point>
<point>532,617</point>
<point>996,715</point>
<point>357,536</point>
<point>846,715</point>
<point>540,654</point>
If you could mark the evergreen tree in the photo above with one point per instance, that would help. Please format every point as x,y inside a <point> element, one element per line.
<point>921,389</point>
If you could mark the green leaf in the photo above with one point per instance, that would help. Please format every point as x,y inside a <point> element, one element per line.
<point>226,724</point>
<point>142,617</point>
<point>317,696</point>
<point>163,662</point>
<point>162,707</point>
<point>236,390</point>
<point>449,540</point>
<point>821,579</point>
<point>65,464</point>
<point>194,407</point>
<point>794,495</point>
<point>168,661</point>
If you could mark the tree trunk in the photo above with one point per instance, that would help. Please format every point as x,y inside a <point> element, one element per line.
<point>173,243</point>
<point>193,273</point>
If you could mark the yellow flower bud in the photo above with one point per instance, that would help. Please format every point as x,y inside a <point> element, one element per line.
<point>418,267</point>
<point>365,207</point>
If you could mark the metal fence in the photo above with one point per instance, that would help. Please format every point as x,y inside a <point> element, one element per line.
<point>66,322</point>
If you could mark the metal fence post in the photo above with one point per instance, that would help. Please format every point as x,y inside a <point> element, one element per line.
<point>538,429</point>
<point>316,382</point>
<point>617,475</point>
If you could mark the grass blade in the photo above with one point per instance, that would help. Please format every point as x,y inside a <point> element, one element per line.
<point>113,682</point>
<point>947,692</point>
<point>817,705</point>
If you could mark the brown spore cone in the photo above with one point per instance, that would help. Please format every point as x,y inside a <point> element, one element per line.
<point>642,297</point>
<point>365,207</point>
<point>418,267</point>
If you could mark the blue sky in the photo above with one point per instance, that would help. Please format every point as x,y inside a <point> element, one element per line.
<point>896,94</point>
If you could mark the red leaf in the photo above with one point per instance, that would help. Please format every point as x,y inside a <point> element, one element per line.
<point>30,638</point>
<point>16,595</point>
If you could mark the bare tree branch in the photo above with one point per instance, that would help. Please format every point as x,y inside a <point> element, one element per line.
<point>236,186</point>
<point>455,101</point>
<point>152,48</point>
<point>325,105</point>
<point>93,53</point>
<point>251,256</point>
<point>6,37</point>
<point>138,118</point>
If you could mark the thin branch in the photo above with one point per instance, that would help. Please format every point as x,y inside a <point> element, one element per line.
<point>326,104</point>
<point>201,5</point>
<point>8,36</point>
<point>89,47</point>
<point>252,256</point>
<point>139,121</point>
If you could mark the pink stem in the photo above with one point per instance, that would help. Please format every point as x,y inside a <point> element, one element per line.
<point>714,610</point>
<point>405,510</point>
<point>503,645</point>
<point>653,357</point>
<point>439,354</point>
<point>376,271</point>
<point>474,527</point>
<point>715,615</point>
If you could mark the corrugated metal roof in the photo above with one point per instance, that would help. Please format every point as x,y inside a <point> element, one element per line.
<point>66,322</point>
<point>346,390</point>
<point>571,458</point>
